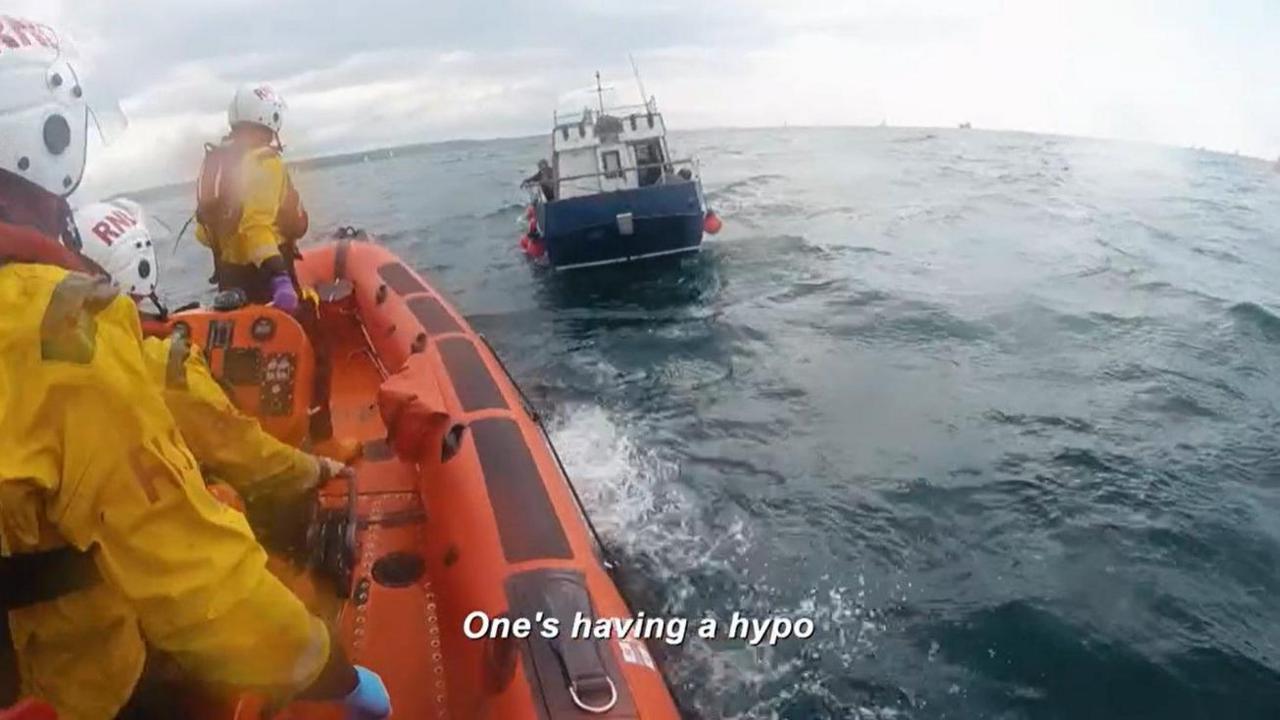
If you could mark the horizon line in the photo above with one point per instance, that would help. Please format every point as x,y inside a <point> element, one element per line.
<point>342,154</point>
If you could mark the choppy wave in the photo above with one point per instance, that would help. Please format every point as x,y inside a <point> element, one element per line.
<point>1253,317</point>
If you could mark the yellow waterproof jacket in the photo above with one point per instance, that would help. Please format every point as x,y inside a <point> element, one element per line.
<point>229,445</point>
<point>262,188</point>
<point>90,457</point>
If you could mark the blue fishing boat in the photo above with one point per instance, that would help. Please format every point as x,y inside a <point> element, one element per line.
<point>612,192</point>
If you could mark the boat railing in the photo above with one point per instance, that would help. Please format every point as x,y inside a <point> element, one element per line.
<point>620,173</point>
<point>670,173</point>
<point>586,114</point>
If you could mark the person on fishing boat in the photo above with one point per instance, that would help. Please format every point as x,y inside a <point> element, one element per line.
<point>229,445</point>
<point>250,215</point>
<point>109,541</point>
<point>544,178</point>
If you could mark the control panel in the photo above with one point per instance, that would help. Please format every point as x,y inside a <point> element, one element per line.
<point>278,381</point>
<point>263,359</point>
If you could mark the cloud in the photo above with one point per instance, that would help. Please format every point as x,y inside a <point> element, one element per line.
<point>359,75</point>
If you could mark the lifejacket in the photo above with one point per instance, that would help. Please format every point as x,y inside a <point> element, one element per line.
<point>219,203</point>
<point>20,244</point>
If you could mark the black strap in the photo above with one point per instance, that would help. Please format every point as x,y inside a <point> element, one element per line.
<point>584,670</point>
<point>70,235</point>
<point>10,680</point>
<point>32,578</point>
<point>572,677</point>
<point>215,244</point>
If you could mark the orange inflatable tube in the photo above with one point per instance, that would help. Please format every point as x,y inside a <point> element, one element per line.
<point>459,513</point>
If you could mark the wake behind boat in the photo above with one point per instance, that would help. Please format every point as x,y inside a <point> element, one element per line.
<point>613,192</point>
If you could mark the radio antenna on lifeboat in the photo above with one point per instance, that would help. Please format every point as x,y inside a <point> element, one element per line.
<point>182,232</point>
<point>599,92</point>
<point>644,97</point>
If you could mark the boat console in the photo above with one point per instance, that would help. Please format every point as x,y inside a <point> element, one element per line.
<point>261,356</point>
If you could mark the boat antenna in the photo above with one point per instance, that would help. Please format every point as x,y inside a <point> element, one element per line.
<point>182,232</point>
<point>599,92</point>
<point>644,97</point>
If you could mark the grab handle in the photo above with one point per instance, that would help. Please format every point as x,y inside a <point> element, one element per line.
<point>573,672</point>
<point>595,709</point>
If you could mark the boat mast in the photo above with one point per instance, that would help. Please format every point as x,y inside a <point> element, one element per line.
<point>644,97</point>
<point>600,92</point>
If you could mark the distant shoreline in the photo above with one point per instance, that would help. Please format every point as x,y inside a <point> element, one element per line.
<point>347,157</point>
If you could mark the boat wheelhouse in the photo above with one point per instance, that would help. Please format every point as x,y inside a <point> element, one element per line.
<point>614,192</point>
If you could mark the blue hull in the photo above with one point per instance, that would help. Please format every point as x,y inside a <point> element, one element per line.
<point>584,231</point>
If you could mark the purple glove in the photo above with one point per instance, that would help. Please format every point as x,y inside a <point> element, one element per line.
<point>282,293</point>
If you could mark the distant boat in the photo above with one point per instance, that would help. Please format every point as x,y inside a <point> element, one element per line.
<point>615,193</point>
<point>965,126</point>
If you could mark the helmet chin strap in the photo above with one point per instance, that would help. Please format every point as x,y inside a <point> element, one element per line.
<point>69,234</point>
<point>155,300</point>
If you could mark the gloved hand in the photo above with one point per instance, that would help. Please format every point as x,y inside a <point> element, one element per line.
<point>282,293</point>
<point>310,295</point>
<point>329,469</point>
<point>369,701</point>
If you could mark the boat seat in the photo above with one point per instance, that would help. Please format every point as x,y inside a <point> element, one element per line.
<point>262,358</point>
<point>337,298</point>
<point>337,292</point>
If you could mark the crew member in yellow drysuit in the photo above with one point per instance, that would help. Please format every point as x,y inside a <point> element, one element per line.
<point>108,538</point>
<point>247,209</point>
<point>251,216</point>
<point>230,446</point>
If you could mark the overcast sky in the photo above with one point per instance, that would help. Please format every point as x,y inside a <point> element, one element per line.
<point>370,73</point>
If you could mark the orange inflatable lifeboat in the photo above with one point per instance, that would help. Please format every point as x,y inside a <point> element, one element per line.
<point>459,506</point>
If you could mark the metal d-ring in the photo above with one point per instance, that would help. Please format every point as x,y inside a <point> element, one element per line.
<point>595,709</point>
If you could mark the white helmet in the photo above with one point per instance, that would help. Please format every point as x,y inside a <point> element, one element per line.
<point>114,235</point>
<point>44,109</point>
<point>258,104</point>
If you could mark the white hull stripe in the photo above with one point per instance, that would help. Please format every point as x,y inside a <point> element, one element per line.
<point>629,258</point>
